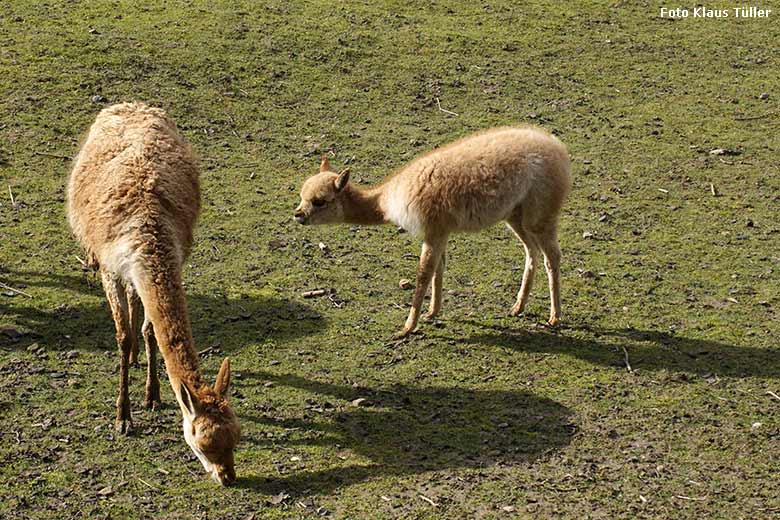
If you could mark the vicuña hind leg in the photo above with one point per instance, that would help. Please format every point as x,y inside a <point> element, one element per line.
<point>436,291</point>
<point>531,258</point>
<point>548,242</point>
<point>152,399</point>
<point>134,314</point>
<point>431,254</point>
<point>117,300</point>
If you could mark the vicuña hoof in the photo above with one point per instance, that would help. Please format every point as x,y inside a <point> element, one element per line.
<point>152,403</point>
<point>123,426</point>
<point>403,334</point>
<point>516,310</point>
<point>552,322</point>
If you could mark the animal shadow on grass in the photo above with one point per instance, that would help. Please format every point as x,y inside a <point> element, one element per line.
<point>647,349</point>
<point>410,429</point>
<point>226,323</point>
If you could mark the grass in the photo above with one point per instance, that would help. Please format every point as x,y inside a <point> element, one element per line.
<point>483,415</point>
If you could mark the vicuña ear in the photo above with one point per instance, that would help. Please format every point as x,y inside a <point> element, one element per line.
<point>223,379</point>
<point>189,399</point>
<point>324,165</point>
<point>342,180</point>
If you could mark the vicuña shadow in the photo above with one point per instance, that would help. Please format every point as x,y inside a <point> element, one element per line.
<point>647,349</point>
<point>411,429</point>
<point>232,322</point>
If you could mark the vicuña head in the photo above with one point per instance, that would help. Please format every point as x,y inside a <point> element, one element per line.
<point>210,427</point>
<point>322,196</point>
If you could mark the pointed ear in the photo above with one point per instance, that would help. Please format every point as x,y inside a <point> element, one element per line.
<point>189,399</point>
<point>325,164</point>
<point>223,379</point>
<point>342,180</point>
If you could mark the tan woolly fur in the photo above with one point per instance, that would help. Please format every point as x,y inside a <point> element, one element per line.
<point>520,175</point>
<point>132,199</point>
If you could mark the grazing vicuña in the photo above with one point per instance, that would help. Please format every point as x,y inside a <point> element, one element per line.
<point>133,199</point>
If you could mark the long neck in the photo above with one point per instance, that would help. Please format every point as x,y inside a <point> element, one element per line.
<point>163,299</point>
<point>363,206</point>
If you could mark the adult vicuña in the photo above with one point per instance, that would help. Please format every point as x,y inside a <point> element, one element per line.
<point>517,174</point>
<point>133,199</point>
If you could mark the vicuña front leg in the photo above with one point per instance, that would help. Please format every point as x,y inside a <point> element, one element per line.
<point>436,291</point>
<point>431,253</point>
<point>117,300</point>
<point>152,399</point>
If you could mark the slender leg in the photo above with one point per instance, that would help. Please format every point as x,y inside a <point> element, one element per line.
<point>548,241</point>
<point>152,400</point>
<point>117,300</point>
<point>134,313</point>
<point>436,293</point>
<point>431,253</point>
<point>531,257</point>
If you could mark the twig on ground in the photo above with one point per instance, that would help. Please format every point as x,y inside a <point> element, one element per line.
<point>438,103</point>
<point>695,499</point>
<point>315,293</point>
<point>431,502</point>
<point>771,393</point>
<point>56,156</point>
<point>11,193</point>
<point>625,354</point>
<point>750,118</point>
<point>4,286</point>
<point>205,351</point>
<point>333,300</point>
<point>147,484</point>
<point>82,262</point>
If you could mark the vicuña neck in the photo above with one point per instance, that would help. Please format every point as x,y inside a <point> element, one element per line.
<point>166,304</point>
<point>362,206</point>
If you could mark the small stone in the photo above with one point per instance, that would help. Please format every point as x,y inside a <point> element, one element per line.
<point>12,334</point>
<point>405,284</point>
<point>764,95</point>
<point>361,401</point>
<point>106,491</point>
<point>587,234</point>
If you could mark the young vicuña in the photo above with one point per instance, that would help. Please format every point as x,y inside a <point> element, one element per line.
<point>520,175</point>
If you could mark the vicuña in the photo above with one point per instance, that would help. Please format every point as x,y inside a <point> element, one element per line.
<point>133,199</point>
<point>520,175</point>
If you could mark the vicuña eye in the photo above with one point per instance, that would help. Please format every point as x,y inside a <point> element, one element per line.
<point>318,203</point>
